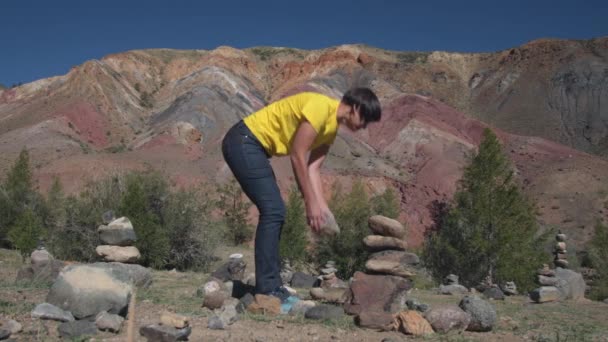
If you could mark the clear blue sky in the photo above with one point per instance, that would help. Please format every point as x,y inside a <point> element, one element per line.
<point>45,38</point>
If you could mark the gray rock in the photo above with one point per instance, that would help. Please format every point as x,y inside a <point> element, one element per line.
<point>302,280</point>
<point>570,284</point>
<point>451,279</point>
<point>398,256</point>
<point>494,293</point>
<point>509,288</point>
<point>11,325</point>
<point>606,300</point>
<point>49,311</point>
<point>560,237</point>
<point>216,323</point>
<point>300,307</point>
<point>483,314</point>
<point>223,318</point>
<point>44,273</point>
<point>376,293</point>
<point>4,334</point>
<point>329,270</point>
<point>162,333</point>
<point>324,312</point>
<point>545,294</point>
<point>244,302</point>
<point>119,232</point>
<point>454,289</point>
<point>234,269</point>
<point>382,225</point>
<point>127,254</point>
<point>108,217</point>
<point>414,304</point>
<point>77,329</point>
<point>129,273</point>
<point>546,281</point>
<point>448,317</point>
<point>85,291</point>
<point>109,322</point>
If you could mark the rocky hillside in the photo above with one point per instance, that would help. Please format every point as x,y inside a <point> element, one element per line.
<point>168,109</point>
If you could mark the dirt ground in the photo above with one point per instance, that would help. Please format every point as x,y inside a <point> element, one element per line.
<point>519,319</point>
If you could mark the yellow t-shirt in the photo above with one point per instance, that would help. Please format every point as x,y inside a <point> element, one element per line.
<point>275,125</point>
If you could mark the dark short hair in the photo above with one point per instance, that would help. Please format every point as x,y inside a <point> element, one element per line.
<point>366,102</point>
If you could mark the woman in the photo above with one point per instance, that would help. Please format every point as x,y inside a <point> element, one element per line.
<point>294,126</point>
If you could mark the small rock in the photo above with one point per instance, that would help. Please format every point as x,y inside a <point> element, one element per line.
<point>229,285</point>
<point>483,314</point>
<point>216,323</point>
<point>301,280</point>
<point>547,281</point>
<point>453,289</point>
<point>244,302</point>
<point>448,317</point>
<point>382,225</point>
<point>377,320</point>
<point>108,217</point>
<point>127,255</point>
<point>405,258</point>
<point>162,333</point>
<point>546,271</point>
<point>329,270</point>
<point>561,263</point>
<point>545,294</point>
<point>376,243</point>
<point>223,318</point>
<point>50,311</point>
<point>119,232</point>
<point>606,300</point>
<point>415,305</point>
<point>4,334</point>
<point>389,267</point>
<point>451,279</point>
<point>215,300</point>
<point>109,322</point>
<point>324,312</point>
<point>40,258</point>
<point>265,305</point>
<point>494,293</point>
<point>332,295</point>
<point>509,288</point>
<point>560,246</point>
<point>174,320</point>
<point>300,307</point>
<point>291,291</point>
<point>560,237</point>
<point>11,325</point>
<point>234,269</point>
<point>250,279</point>
<point>75,329</point>
<point>412,323</point>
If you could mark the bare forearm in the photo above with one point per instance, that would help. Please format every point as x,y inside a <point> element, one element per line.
<point>300,170</point>
<point>317,186</point>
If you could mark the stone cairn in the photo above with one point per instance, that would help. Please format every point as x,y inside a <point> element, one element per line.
<point>117,238</point>
<point>560,251</point>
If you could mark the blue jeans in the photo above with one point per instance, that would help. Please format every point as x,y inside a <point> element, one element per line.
<point>250,165</point>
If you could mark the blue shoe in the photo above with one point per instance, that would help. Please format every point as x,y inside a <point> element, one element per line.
<point>281,293</point>
<point>289,302</point>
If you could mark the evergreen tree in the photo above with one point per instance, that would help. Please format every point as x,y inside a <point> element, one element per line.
<point>598,253</point>
<point>490,229</point>
<point>152,240</point>
<point>26,232</point>
<point>386,204</point>
<point>352,212</point>
<point>293,235</point>
<point>235,210</point>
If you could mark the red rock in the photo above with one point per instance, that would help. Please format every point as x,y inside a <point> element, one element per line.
<point>376,293</point>
<point>412,323</point>
<point>266,305</point>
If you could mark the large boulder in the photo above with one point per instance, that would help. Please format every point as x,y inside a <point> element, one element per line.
<point>85,291</point>
<point>376,243</point>
<point>119,232</point>
<point>447,317</point>
<point>483,314</point>
<point>379,293</point>
<point>570,284</point>
<point>382,225</point>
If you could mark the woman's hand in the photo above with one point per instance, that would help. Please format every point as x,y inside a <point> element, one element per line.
<point>314,216</point>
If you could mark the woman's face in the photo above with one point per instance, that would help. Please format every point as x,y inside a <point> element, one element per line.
<point>353,119</point>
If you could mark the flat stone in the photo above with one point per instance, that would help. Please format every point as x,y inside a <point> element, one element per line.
<point>415,305</point>
<point>119,232</point>
<point>396,256</point>
<point>376,293</point>
<point>560,237</point>
<point>162,333</point>
<point>412,323</point>
<point>448,317</point>
<point>77,329</point>
<point>109,322</point>
<point>389,267</point>
<point>324,312</point>
<point>547,272</point>
<point>376,243</point>
<point>128,255</point>
<point>380,321</point>
<point>483,314</point>
<point>302,280</point>
<point>454,289</point>
<point>174,320</point>
<point>560,263</point>
<point>332,295</point>
<point>560,246</point>
<point>494,293</point>
<point>545,294</point>
<point>547,281</point>
<point>300,307</point>
<point>11,325</point>
<point>266,305</point>
<point>382,225</point>
<point>52,312</point>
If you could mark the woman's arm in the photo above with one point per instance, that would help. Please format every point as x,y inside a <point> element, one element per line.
<point>303,140</point>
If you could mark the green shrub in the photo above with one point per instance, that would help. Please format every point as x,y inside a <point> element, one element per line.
<point>385,204</point>
<point>293,235</point>
<point>490,228</point>
<point>26,232</point>
<point>234,208</point>
<point>352,212</point>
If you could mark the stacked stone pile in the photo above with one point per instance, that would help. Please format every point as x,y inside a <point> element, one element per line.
<point>560,252</point>
<point>118,238</point>
<point>558,284</point>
